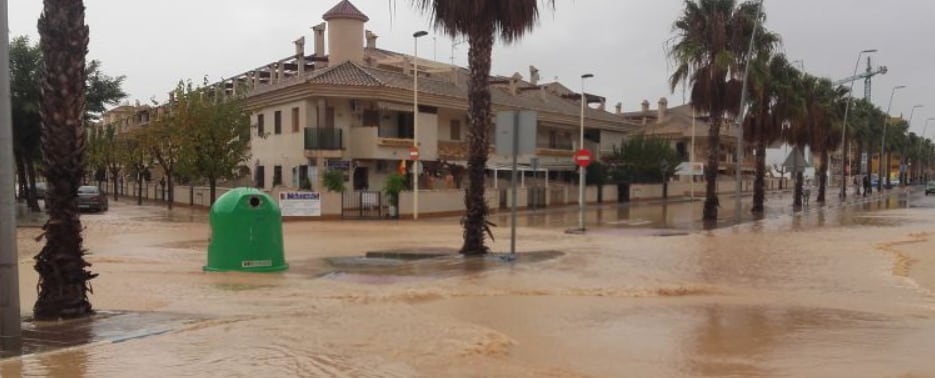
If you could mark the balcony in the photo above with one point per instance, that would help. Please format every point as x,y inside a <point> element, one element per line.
<point>323,139</point>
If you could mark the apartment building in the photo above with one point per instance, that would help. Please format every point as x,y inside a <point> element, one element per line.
<point>349,106</point>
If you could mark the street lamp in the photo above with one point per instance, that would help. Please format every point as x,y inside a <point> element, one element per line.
<point>913,112</point>
<point>415,122</point>
<point>581,170</point>
<point>847,108</point>
<point>10,323</point>
<point>883,139</point>
<point>925,129</point>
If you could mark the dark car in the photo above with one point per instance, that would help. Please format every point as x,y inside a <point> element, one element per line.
<point>92,198</point>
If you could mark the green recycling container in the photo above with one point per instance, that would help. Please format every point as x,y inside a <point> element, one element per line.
<point>246,233</point>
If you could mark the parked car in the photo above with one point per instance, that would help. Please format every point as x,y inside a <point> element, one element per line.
<point>930,187</point>
<point>92,198</point>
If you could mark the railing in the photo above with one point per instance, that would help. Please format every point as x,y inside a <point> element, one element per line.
<point>317,138</point>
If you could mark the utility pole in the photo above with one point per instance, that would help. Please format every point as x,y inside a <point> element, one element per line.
<point>10,327</point>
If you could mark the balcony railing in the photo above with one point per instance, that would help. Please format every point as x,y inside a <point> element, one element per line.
<point>317,138</point>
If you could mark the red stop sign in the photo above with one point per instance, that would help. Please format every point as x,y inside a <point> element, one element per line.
<point>583,158</point>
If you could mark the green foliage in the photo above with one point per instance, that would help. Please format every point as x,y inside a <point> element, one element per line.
<point>643,159</point>
<point>597,174</point>
<point>217,137</point>
<point>305,184</point>
<point>333,180</point>
<point>392,187</point>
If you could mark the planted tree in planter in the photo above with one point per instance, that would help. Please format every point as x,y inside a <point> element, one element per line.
<point>333,181</point>
<point>392,187</point>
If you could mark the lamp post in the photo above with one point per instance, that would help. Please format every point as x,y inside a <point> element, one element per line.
<point>415,122</point>
<point>883,139</point>
<point>847,109</point>
<point>902,158</point>
<point>582,170</point>
<point>738,171</point>
<point>10,327</point>
<point>926,127</point>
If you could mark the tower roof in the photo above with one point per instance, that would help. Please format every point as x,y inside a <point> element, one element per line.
<point>345,9</point>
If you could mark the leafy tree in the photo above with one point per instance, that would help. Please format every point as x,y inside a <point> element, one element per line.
<point>709,53</point>
<point>218,133</point>
<point>25,71</point>
<point>481,21</point>
<point>165,138</point>
<point>63,275</point>
<point>643,159</point>
<point>333,180</point>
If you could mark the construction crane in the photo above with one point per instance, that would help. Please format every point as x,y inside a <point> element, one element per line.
<point>866,75</point>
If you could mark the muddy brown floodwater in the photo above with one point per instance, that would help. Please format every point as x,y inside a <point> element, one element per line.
<point>832,292</point>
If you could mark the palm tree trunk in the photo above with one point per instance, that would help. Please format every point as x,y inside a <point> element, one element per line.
<point>822,176</point>
<point>32,201</point>
<point>799,183</point>
<point>63,278</point>
<point>711,170</point>
<point>475,218</point>
<point>759,181</point>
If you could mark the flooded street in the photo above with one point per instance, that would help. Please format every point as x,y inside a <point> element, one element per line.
<point>834,291</point>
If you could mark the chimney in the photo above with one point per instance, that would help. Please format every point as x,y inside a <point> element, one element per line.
<point>663,105</point>
<point>319,31</point>
<point>371,39</point>
<point>300,55</point>
<point>533,75</point>
<point>619,108</point>
<point>645,105</point>
<point>345,33</point>
<point>514,83</point>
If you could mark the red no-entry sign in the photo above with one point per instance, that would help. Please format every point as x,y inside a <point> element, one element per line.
<point>583,158</point>
<point>414,153</point>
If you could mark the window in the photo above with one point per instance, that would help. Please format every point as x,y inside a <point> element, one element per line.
<point>404,126</point>
<point>329,117</point>
<point>260,177</point>
<point>277,122</point>
<point>277,175</point>
<point>371,118</point>
<point>259,125</point>
<point>455,128</point>
<point>295,120</point>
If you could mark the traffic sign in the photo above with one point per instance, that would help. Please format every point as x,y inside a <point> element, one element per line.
<point>414,153</point>
<point>583,158</point>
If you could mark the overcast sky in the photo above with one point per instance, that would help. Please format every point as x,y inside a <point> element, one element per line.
<point>622,42</point>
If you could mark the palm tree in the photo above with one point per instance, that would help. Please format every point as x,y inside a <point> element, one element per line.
<point>825,111</point>
<point>709,53</point>
<point>63,277</point>
<point>772,103</point>
<point>481,21</point>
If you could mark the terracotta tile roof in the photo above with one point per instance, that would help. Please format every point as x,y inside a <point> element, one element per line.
<point>352,74</point>
<point>345,9</point>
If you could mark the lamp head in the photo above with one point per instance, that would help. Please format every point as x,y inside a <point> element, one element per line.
<point>420,33</point>
<point>587,76</point>
<point>869,51</point>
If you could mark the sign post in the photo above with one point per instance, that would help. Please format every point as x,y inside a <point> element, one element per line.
<point>510,124</point>
<point>10,317</point>
<point>414,156</point>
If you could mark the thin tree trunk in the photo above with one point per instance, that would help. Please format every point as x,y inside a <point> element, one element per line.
<point>32,201</point>
<point>711,203</point>
<point>139,189</point>
<point>63,278</point>
<point>475,217</point>
<point>869,188</point>
<point>212,185</point>
<point>170,184</point>
<point>822,176</point>
<point>21,185</point>
<point>115,178</point>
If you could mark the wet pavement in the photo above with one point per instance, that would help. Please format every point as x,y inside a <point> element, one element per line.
<point>834,290</point>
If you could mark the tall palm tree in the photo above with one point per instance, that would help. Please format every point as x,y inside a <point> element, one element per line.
<point>63,274</point>
<point>709,52</point>
<point>825,112</point>
<point>773,102</point>
<point>481,21</point>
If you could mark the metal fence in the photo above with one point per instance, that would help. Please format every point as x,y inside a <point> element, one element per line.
<point>362,205</point>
